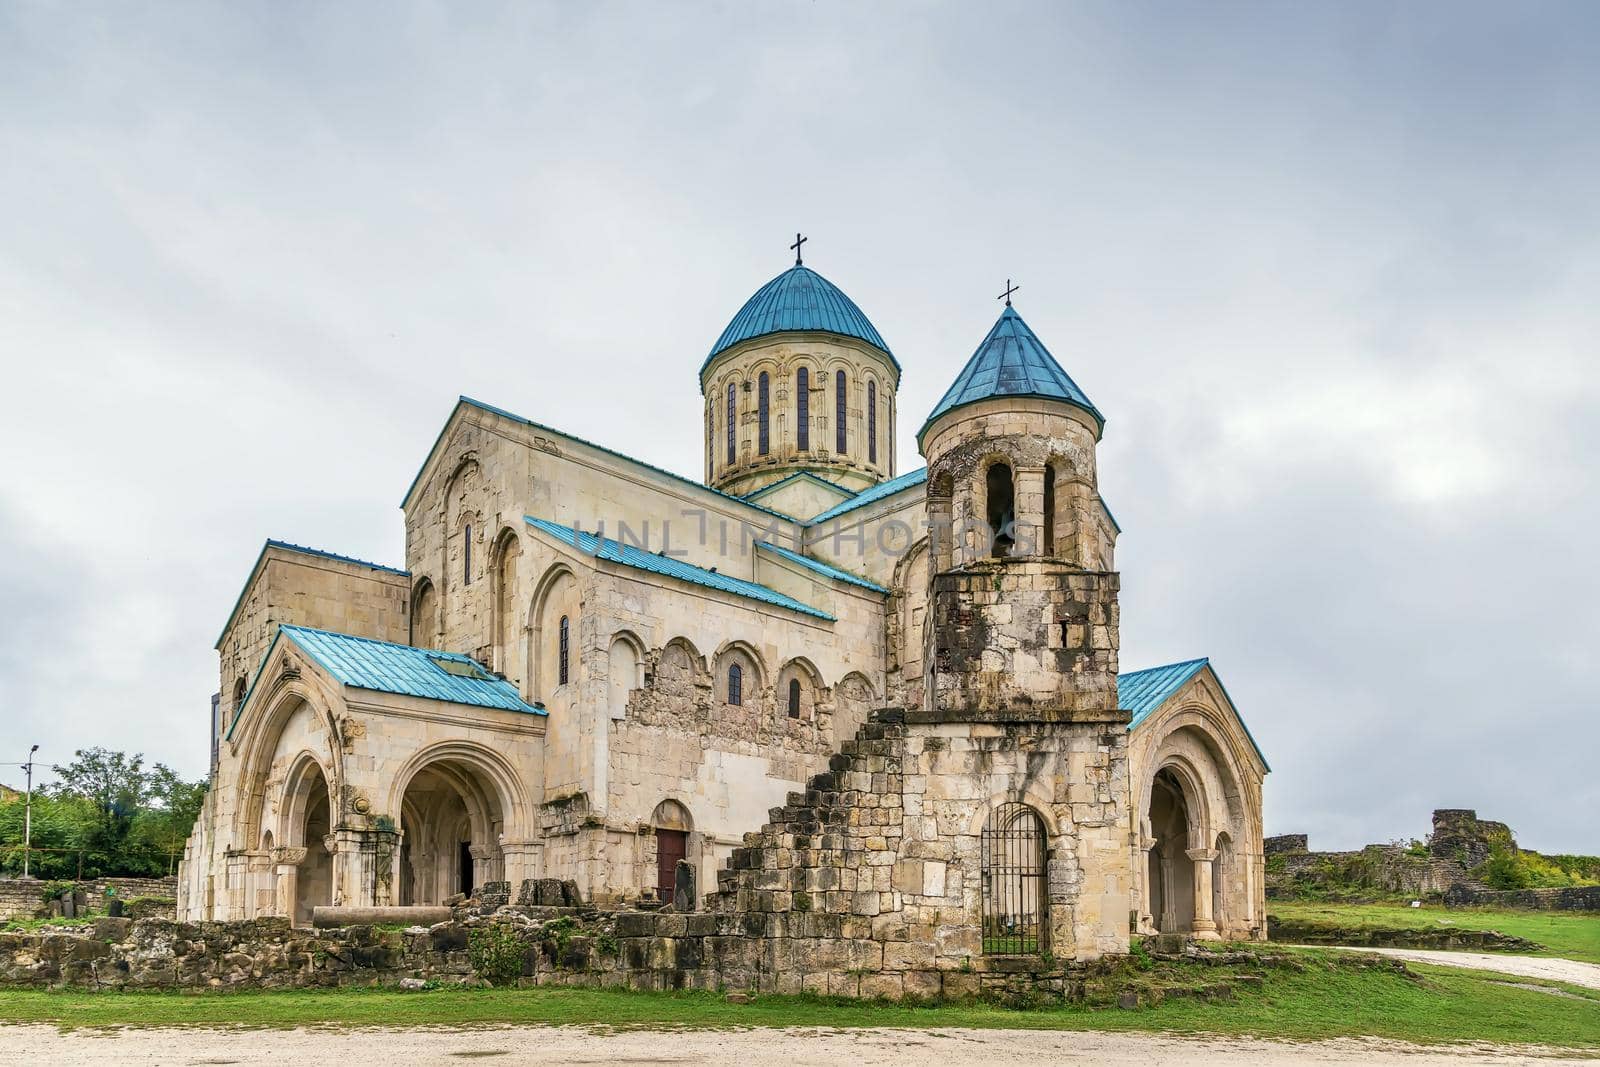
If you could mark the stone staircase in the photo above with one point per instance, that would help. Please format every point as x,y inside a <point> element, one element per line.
<point>831,848</point>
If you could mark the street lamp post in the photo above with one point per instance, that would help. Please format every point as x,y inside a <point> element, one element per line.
<point>27,814</point>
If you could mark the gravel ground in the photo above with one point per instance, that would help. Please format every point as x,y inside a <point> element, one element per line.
<point>36,1045</point>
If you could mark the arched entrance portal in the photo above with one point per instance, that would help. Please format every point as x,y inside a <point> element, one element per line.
<point>1170,879</point>
<point>452,820</point>
<point>313,881</point>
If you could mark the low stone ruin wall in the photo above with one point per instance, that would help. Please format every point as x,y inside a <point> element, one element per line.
<point>1572,898</point>
<point>523,945</point>
<point>1290,932</point>
<point>22,898</point>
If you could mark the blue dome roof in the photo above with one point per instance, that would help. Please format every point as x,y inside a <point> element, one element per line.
<point>798,299</point>
<point>1011,361</point>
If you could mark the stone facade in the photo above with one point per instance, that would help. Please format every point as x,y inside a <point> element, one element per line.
<point>837,721</point>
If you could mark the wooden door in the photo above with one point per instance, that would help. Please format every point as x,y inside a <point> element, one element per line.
<point>671,846</point>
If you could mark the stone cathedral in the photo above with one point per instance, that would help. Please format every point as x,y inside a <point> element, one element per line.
<point>836,688</point>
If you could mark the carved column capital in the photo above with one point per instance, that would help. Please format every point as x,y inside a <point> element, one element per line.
<point>289,855</point>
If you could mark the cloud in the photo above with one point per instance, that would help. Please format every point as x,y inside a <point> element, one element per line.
<point>1329,272</point>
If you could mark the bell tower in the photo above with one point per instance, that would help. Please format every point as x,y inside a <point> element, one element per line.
<point>1024,597</point>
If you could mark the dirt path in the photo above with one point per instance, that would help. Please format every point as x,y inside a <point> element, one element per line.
<point>36,1045</point>
<point>1552,970</point>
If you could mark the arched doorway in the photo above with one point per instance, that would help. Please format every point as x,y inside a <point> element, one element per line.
<point>451,819</point>
<point>311,821</point>
<point>1170,880</point>
<point>672,826</point>
<point>1014,900</point>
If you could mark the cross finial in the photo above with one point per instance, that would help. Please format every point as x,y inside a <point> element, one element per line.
<point>1006,296</point>
<point>798,241</point>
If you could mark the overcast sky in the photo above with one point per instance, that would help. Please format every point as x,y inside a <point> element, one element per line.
<point>1330,271</point>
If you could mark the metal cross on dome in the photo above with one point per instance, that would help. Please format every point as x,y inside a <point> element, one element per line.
<point>1006,296</point>
<point>795,248</point>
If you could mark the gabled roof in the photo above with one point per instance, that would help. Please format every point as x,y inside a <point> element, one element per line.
<point>824,569</point>
<point>467,401</point>
<point>304,551</point>
<point>653,562</point>
<point>1011,361</point>
<point>868,496</point>
<point>1142,692</point>
<point>385,667</point>
<point>798,476</point>
<point>798,299</point>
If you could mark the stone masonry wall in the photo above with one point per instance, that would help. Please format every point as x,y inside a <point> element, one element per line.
<point>1570,898</point>
<point>20,897</point>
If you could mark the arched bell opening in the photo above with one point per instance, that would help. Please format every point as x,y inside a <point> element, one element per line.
<point>1000,511</point>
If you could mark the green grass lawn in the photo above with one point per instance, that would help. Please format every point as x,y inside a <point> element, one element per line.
<point>1329,999</point>
<point>1570,935</point>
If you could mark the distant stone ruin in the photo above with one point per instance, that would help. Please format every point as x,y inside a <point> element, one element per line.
<point>1459,844</point>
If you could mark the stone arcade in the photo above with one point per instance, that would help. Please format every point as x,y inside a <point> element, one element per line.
<point>883,703</point>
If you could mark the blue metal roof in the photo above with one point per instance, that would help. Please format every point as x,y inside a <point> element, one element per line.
<point>824,569</point>
<point>304,551</point>
<point>1142,692</point>
<point>385,667</point>
<point>876,493</point>
<point>1011,361</point>
<point>632,556</point>
<point>798,299</point>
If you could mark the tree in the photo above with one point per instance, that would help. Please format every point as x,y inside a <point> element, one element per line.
<point>112,781</point>
<point>106,815</point>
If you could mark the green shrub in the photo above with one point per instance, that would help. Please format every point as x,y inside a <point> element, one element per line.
<point>496,953</point>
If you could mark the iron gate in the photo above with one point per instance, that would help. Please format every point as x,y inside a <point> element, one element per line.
<point>1014,901</point>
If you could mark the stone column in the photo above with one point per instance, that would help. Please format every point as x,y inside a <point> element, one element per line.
<point>1146,922</point>
<point>363,866</point>
<point>1205,927</point>
<point>236,886</point>
<point>523,859</point>
<point>288,861</point>
<point>259,897</point>
<point>1028,507</point>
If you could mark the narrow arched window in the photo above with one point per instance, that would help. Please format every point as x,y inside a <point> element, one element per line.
<point>466,555</point>
<point>839,407</point>
<point>563,661</point>
<point>733,422</point>
<point>238,695</point>
<point>1049,548</point>
<point>802,409</point>
<point>735,684</point>
<point>872,422</point>
<point>794,698</point>
<point>762,413</point>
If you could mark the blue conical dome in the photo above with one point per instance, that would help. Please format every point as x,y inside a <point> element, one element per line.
<point>798,299</point>
<point>1011,361</point>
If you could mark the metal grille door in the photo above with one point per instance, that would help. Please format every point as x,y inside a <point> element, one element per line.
<point>1013,881</point>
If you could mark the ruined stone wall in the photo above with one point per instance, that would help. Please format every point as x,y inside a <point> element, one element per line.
<point>1460,836</point>
<point>1569,898</point>
<point>20,897</point>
